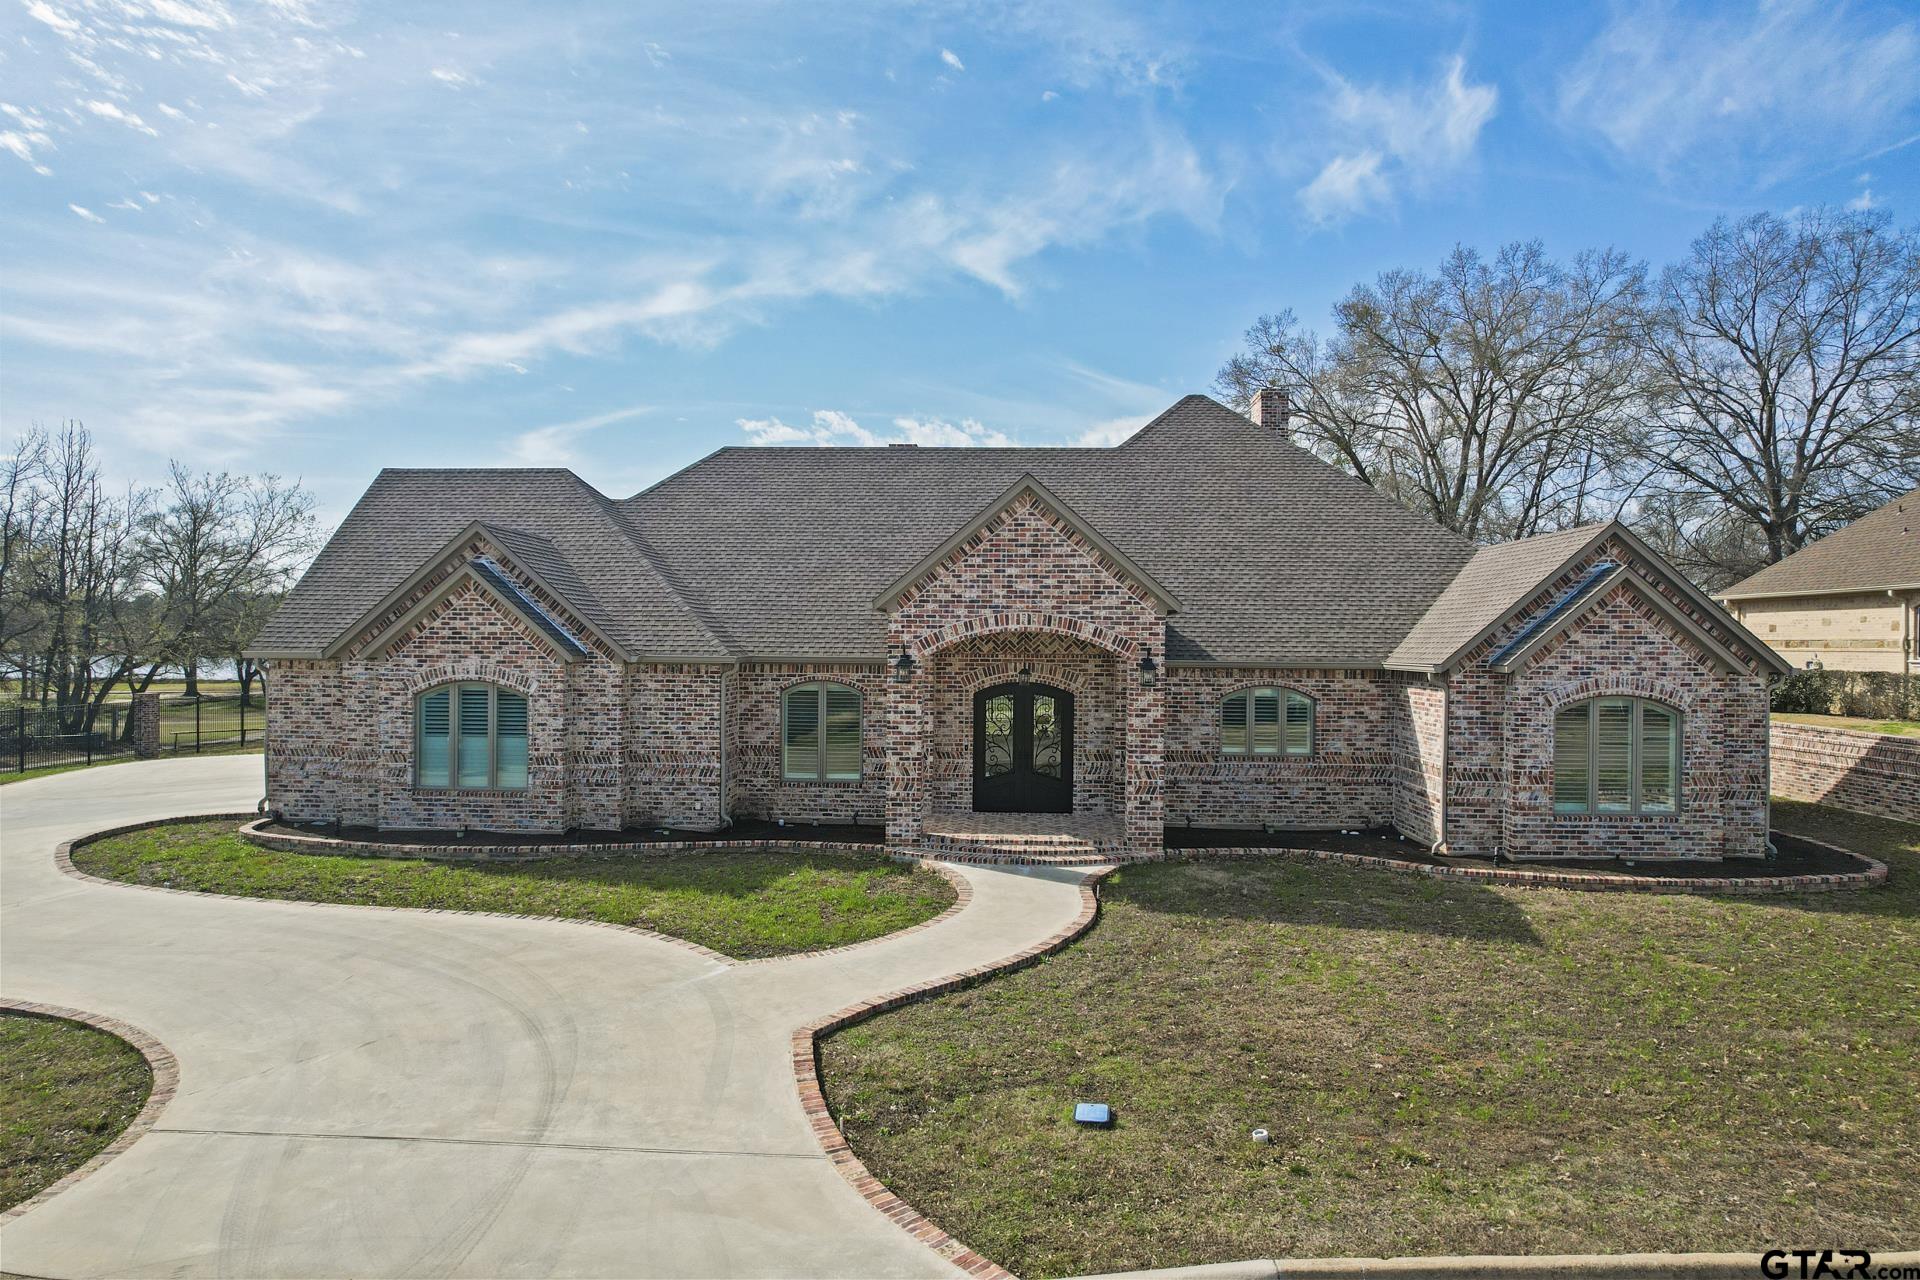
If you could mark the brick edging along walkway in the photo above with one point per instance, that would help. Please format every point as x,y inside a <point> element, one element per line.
<point>63,860</point>
<point>166,1082</point>
<point>285,842</point>
<point>806,1074</point>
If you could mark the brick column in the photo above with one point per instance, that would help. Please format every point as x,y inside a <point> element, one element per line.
<point>1146,733</point>
<point>907,760</point>
<point>145,718</point>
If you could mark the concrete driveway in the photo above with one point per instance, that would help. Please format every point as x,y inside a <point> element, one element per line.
<point>375,1092</point>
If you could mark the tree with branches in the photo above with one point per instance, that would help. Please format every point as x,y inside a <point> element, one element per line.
<point>1488,395</point>
<point>1780,387</point>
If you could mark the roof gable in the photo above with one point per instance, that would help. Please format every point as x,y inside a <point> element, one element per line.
<point>486,576</point>
<point>1495,587</point>
<point>1594,588</point>
<point>553,527</point>
<point>531,554</point>
<point>1026,484</point>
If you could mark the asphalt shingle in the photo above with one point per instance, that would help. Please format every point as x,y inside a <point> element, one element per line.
<point>1879,550</point>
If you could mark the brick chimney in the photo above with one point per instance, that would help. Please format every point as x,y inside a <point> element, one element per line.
<point>1270,408</point>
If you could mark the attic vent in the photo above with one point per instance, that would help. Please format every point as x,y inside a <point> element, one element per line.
<point>901,444</point>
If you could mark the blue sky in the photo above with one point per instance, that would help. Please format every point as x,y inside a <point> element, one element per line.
<point>322,238</point>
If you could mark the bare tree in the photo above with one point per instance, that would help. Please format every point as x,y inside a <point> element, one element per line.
<point>1782,385</point>
<point>219,542</point>
<point>20,508</point>
<point>80,577</point>
<point>1488,396</point>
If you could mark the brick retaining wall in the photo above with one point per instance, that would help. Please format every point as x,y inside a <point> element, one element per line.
<point>1874,773</point>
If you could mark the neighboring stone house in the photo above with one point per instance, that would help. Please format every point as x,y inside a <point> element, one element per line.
<point>1849,602</point>
<point>1009,649</point>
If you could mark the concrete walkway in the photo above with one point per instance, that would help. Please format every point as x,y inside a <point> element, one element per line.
<point>378,1093</point>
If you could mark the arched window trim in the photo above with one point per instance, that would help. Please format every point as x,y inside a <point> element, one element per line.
<point>473,728</point>
<point>1578,742</point>
<point>1285,744</point>
<point>823,750</point>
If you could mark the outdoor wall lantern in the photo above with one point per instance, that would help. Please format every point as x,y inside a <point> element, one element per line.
<point>903,667</point>
<point>1026,675</point>
<point>1149,669</point>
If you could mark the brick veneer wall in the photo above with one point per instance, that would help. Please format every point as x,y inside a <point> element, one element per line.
<point>340,742</point>
<point>676,716</point>
<point>1873,773</point>
<point>756,787</point>
<point>1500,733</point>
<point>1623,648</point>
<point>1026,570</point>
<point>1416,726</point>
<point>1346,781</point>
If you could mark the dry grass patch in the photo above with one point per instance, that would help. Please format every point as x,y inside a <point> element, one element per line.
<point>66,1091</point>
<point>1446,1068</point>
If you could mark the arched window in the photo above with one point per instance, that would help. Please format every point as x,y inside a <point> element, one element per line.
<point>820,733</point>
<point>1616,755</point>
<point>1266,722</point>
<point>472,737</point>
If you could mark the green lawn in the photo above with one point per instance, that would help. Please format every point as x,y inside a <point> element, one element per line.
<point>1445,1068</point>
<point>66,1091</point>
<point>1904,728</point>
<point>740,904</point>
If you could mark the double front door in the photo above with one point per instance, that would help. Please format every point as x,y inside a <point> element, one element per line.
<point>1023,749</point>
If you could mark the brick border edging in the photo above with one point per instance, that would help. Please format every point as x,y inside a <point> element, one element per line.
<point>805,1043</point>
<point>1873,874</point>
<point>283,842</point>
<point>164,1067</point>
<point>63,861</point>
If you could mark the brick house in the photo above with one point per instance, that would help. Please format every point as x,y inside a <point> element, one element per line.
<point>998,649</point>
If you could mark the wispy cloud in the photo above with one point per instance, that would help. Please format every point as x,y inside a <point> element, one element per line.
<point>952,59</point>
<point>112,111</point>
<point>1104,435</point>
<point>1748,94</point>
<point>1397,139</point>
<point>86,213</point>
<point>556,444</point>
<point>832,427</point>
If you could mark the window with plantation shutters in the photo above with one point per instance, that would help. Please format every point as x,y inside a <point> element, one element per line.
<point>820,733</point>
<point>471,737</point>
<point>1616,755</point>
<point>1266,722</point>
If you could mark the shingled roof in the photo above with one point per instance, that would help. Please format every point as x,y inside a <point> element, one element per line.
<point>1275,556</point>
<point>549,520</point>
<point>1878,551</point>
<point>778,554</point>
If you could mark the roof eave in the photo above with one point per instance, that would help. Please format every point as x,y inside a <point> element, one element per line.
<point>1862,589</point>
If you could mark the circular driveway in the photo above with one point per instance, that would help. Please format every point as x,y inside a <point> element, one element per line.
<point>383,1092</point>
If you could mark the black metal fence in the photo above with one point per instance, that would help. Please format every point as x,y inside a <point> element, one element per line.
<point>32,738</point>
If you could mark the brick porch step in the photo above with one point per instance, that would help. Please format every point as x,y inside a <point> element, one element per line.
<point>1065,851</point>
